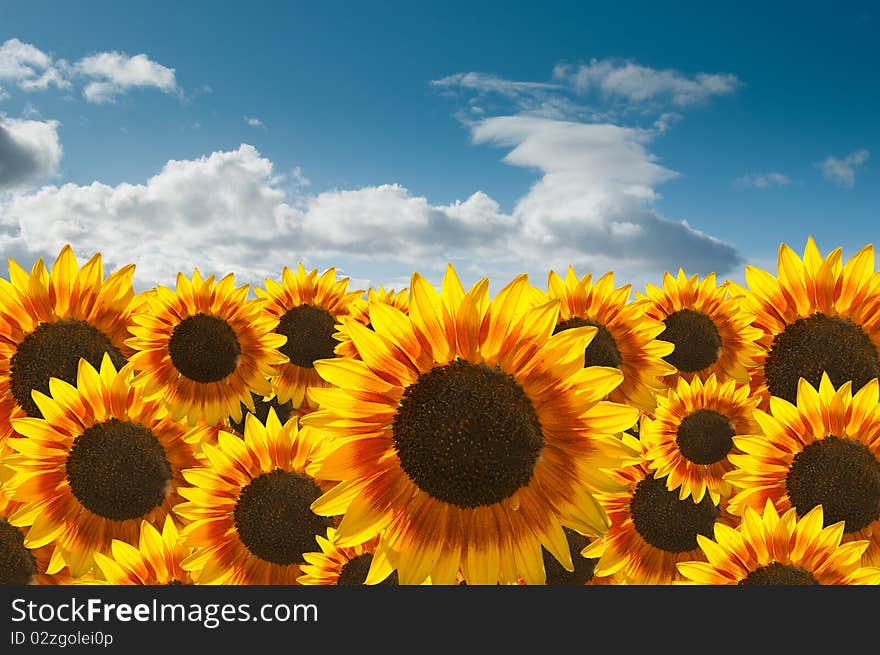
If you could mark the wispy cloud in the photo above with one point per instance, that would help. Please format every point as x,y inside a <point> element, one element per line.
<point>627,80</point>
<point>103,75</point>
<point>29,68</point>
<point>115,73</point>
<point>842,172</point>
<point>763,180</point>
<point>253,121</point>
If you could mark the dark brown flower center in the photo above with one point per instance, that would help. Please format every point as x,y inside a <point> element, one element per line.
<point>204,348</point>
<point>17,564</point>
<point>282,410</point>
<point>467,434</point>
<point>602,350</point>
<point>309,331</point>
<point>274,519</point>
<point>817,343</point>
<point>118,470</point>
<point>696,339</point>
<point>779,574</point>
<point>666,522</point>
<point>583,567</point>
<point>53,350</point>
<point>842,475</point>
<point>705,436</point>
<point>354,572</point>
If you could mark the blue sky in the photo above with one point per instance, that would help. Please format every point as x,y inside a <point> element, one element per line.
<point>383,138</point>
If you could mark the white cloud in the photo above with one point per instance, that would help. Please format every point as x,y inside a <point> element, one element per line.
<point>627,80</point>
<point>842,172</point>
<point>594,204</point>
<point>29,68</point>
<point>253,121</point>
<point>763,180</point>
<point>299,178</point>
<point>29,151</point>
<point>114,73</point>
<point>229,212</point>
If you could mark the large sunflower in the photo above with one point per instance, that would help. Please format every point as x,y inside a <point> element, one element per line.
<point>248,514</point>
<point>156,560</point>
<point>204,348</point>
<point>690,436</point>
<point>626,338</point>
<point>51,319</point>
<point>468,434</point>
<point>102,460</point>
<point>704,322</point>
<point>345,566</point>
<point>651,529</point>
<point>360,311</point>
<point>817,315</point>
<point>305,308</point>
<point>822,451</point>
<point>772,550</point>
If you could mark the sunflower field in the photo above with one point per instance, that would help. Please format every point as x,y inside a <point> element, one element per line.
<point>578,432</point>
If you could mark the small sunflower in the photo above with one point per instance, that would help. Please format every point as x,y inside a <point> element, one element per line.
<point>204,348</point>
<point>345,566</point>
<point>305,308</point>
<point>817,315</point>
<point>704,322</point>
<point>584,572</point>
<point>822,451</point>
<point>102,460</point>
<point>690,436</point>
<point>626,338</point>
<point>467,434</point>
<point>261,407</point>
<point>360,311</point>
<point>248,514</point>
<point>155,561</point>
<point>772,550</point>
<point>651,529</point>
<point>51,319</point>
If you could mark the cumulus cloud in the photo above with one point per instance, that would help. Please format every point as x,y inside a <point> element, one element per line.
<point>114,73</point>
<point>29,68</point>
<point>627,80</point>
<point>229,211</point>
<point>594,204</point>
<point>842,172</point>
<point>253,121</point>
<point>30,151</point>
<point>763,180</point>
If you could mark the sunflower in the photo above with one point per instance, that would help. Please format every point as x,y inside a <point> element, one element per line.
<point>51,319</point>
<point>704,322</point>
<point>817,315</point>
<point>261,407</point>
<point>20,565</point>
<point>651,529</point>
<point>305,308</point>
<point>359,311</point>
<point>102,460</point>
<point>354,565</point>
<point>468,434</point>
<point>248,514</point>
<point>155,561</point>
<point>690,436</point>
<point>584,572</point>
<point>822,451</point>
<point>772,550</point>
<point>626,338</point>
<point>204,348</point>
